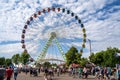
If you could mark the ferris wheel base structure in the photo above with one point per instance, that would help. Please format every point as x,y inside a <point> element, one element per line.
<point>53,36</point>
<point>51,59</point>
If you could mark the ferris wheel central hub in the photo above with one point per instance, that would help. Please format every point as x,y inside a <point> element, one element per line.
<point>53,34</point>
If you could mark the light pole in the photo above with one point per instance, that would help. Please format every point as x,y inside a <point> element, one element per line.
<point>90,46</point>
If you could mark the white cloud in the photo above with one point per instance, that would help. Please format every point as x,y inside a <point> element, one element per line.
<point>46,3</point>
<point>10,49</point>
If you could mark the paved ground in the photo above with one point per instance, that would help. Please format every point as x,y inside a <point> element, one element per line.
<point>23,76</point>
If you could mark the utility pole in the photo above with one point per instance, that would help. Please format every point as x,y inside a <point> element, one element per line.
<point>90,46</point>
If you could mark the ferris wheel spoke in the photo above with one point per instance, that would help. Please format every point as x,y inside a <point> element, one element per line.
<point>48,17</point>
<point>30,31</point>
<point>38,24</point>
<point>32,41</point>
<point>30,34</point>
<point>30,45</point>
<point>33,49</point>
<point>65,26</point>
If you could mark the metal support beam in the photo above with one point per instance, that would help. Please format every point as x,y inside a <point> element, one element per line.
<point>90,46</point>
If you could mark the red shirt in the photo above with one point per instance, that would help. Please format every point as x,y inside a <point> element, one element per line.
<point>9,73</point>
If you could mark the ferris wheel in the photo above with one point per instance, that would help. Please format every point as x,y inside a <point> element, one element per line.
<point>51,32</point>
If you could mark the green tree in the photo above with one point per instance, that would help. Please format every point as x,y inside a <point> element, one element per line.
<point>8,62</point>
<point>16,58</point>
<point>83,61</point>
<point>111,59</point>
<point>54,64</point>
<point>106,58</point>
<point>24,58</point>
<point>99,58</point>
<point>2,61</point>
<point>72,56</point>
<point>46,64</point>
<point>78,58</point>
<point>92,58</point>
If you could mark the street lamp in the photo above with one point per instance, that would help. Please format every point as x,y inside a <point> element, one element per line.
<point>90,46</point>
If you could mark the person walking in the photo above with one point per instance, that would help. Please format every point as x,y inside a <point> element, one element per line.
<point>31,71</point>
<point>39,70</point>
<point>2,73</point>
<point>85,72</point>
<point>46,74</point>
<point>58,71</point>
<point>9,72</point>
<point>119,74</point>
<point>80,71</point>
<point>15,73</point>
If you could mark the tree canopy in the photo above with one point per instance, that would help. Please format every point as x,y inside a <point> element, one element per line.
<point>2,61</point>
<point>72,56</point>
<point>8,62</point>
<point>106,58</point>
<point>24,58</point>
<point>16,58</point>
<point>46,64</point>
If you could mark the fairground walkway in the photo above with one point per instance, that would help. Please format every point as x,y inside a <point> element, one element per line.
<point>23,76</point>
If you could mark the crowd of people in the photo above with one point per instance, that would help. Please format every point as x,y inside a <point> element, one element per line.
<point>100,73</point>
<point>50,72</point>
<point>8,72</point>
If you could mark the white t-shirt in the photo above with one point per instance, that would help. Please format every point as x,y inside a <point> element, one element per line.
<point>15,70</point>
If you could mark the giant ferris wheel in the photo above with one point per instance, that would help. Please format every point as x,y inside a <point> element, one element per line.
<point>51,32</point>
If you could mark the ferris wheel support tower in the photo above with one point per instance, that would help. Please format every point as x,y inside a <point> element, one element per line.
<point>44,50</point>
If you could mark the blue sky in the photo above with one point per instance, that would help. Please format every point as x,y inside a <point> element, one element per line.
<point>100,17</point>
